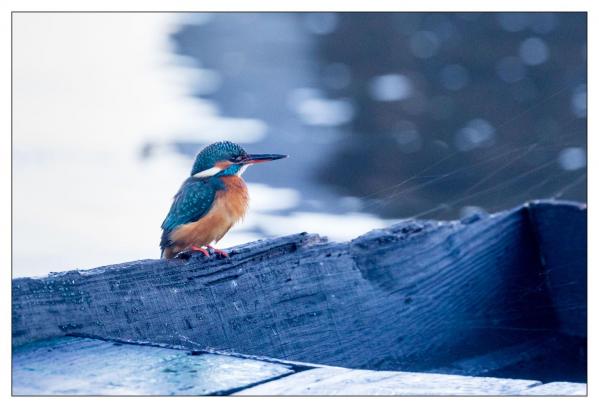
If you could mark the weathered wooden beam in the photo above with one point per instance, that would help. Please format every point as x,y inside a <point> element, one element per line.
<point>414,296</point>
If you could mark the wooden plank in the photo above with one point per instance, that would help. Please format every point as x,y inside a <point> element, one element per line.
<point>340,381</point>
<point>79,366</point>
<point>75,366</point>
<point>561,231</point>
<point>557,389</point>
<point>415,296</point>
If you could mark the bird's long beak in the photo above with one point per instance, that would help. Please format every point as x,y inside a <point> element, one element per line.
<point>261,158</point>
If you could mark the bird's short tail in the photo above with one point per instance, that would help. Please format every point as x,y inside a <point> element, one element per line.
<point>165,245</point>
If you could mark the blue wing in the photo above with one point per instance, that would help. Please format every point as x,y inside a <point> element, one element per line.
<point>192,201</point>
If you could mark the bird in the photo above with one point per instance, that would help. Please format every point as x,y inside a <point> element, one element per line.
<point>210,201</point>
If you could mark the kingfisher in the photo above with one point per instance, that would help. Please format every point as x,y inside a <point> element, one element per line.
<point>210,201</point>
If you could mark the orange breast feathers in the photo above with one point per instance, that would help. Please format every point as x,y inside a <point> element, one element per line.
<point>229,207</point>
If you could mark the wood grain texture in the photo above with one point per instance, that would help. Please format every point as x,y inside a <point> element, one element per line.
<point>561,232</point>
<point>414,296</point>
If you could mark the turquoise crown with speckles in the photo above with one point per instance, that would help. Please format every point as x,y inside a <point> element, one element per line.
<point>214,153</point>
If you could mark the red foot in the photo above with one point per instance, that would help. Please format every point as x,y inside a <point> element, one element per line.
<point>222,253</point>
<point>199,249</point>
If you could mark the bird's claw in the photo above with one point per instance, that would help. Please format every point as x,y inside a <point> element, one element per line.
<point>200,249</point>
<point>187,253</point>
<point>219,252</point>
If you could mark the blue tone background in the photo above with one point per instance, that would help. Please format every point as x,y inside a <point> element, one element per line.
<point>384,116</point>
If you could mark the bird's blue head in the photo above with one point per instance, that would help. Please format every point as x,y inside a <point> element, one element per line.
<point>226,159</point>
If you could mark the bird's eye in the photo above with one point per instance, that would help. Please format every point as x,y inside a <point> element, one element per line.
<point>237,159</point>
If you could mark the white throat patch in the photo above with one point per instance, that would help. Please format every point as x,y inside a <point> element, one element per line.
<point>242,169</point>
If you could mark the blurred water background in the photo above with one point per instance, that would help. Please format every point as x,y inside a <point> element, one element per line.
<point>384,115</point>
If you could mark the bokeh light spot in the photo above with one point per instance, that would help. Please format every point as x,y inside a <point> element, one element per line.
<point>477,133</point>
<point>572,158</point>
<point>390,87</point>
<point>424,44</point>
<point>579,101</point>
<point>534,51</point>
